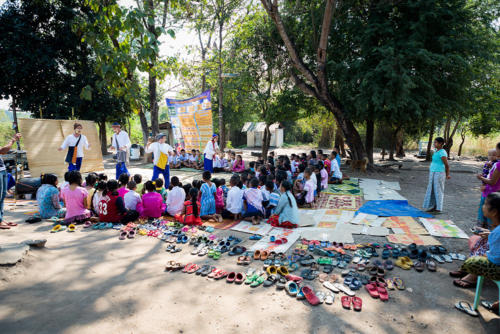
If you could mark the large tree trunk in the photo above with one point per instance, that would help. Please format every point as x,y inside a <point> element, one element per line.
<point>222,130</point>
<point>428,155</point>
<point>327,135</point>
<point>203,76</point>
<point>448,140</point>
<point>370,130</point>
<point>266,141</point>
<point>315,82</point>
<point>155,127</point>
<point>339,142</point>
<point>144,126</point>
<point>462,136</point>
<point>102,137</point>
<point>400,152</point>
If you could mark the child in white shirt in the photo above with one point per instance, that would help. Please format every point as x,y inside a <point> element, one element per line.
<point>176,197</point>
<point>132,198</point>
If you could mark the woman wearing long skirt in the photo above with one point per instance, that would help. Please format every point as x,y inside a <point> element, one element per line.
<point>439,173</point>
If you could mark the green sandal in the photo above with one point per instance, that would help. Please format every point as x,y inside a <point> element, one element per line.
<point>323,260</point>
<point>250,279</point>
<point>216,255</point>
<point>211,253</point>
<point>258,281</point>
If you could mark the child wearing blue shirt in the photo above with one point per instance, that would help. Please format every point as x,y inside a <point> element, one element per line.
<point>487,262</point>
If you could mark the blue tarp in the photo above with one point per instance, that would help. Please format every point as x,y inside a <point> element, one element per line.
<point>392,208</point>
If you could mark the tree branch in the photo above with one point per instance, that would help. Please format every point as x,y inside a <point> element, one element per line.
<point>272,10</point>
<point>165,7</point>
<point>323,43</point>
<point>308,89</point>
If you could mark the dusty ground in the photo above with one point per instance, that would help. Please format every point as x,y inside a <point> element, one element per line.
<point>91,282</point>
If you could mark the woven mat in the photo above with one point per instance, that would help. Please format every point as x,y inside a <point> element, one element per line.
<point>342,202</point>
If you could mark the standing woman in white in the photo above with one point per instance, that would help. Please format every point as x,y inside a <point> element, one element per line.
<point>161,151</point>
<point>75,143</point>
<point>120,143</point>
<point>211,149</point>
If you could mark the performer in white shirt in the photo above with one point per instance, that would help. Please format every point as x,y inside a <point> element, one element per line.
<point>161,152</point>
<point>75,143</point>
<point>120,143</point>
<point>211,149</point>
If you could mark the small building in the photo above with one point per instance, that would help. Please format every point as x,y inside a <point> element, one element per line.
<point>255,134</point>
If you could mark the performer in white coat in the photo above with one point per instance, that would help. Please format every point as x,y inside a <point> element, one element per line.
<point>75,143</point>
<point>120,143</point>
<point>161,152</point>
<point>211,149</point>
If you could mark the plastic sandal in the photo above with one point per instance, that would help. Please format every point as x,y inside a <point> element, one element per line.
<point>258,281</point>
<point>346,302</point>
<point>357,303</point>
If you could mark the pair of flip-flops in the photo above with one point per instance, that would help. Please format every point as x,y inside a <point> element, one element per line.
<point>127,234</point>
<point>6,226</point>
<point>357,303</point>
<point>173,249</point>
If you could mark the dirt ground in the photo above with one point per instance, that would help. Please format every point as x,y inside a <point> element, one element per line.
<point>91,282</point>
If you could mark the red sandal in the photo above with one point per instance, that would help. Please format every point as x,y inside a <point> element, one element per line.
<point>346,302</point>
<point>372,290</point>
<point>357,303</point>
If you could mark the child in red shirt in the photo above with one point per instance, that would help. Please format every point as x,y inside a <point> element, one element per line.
<point>191,212</point>
<point>111,206</point>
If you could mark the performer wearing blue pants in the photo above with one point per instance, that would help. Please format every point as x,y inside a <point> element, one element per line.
<point>75,143</point>
<point>211,149</point>
<point>121,144</point>
<point>160,151</point>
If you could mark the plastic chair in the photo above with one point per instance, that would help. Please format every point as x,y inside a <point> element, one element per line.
<point>479,287</point>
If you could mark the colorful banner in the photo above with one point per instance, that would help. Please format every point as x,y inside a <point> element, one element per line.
<point>191,121</point>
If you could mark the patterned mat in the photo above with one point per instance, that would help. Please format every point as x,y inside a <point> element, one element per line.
<point>347,187</point>
<point>342,202</point>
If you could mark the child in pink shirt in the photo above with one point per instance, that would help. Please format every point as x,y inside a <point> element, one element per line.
<point>239,164</point>
<point>324,175</point>
<point>74,197</point>
<point>152,205</point>
<point>123,180</point>
<point>219,196</point>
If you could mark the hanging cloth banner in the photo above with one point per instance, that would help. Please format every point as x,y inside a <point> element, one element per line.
<point>191,121</point>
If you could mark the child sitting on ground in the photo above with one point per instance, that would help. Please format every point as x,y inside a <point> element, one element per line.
<point>123,181</point>
<point>74,197</point>
<point>192,159</point>
<point>207,201</point>
<point>176,197</point>
<point>199,161</point>
<point>191,211</point>
<point>152,205</point>
<point>274,197</point>
<point>323,175</point>
<point>132,198</point>
<point>173,160</point>
<point>183,159</point>
<point>90,182</point>
<point>47,197</point>
<point>219,196</point>
<point>138,181</point>
<point>160,189</point>
<point>100,188</point>
<point>111,206</point>
<point>306,197</point>
<point>335,173</point>
<point>239,164</point>
<point>234,203</point>
<point>231,158</point>
<point>252,200</point>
